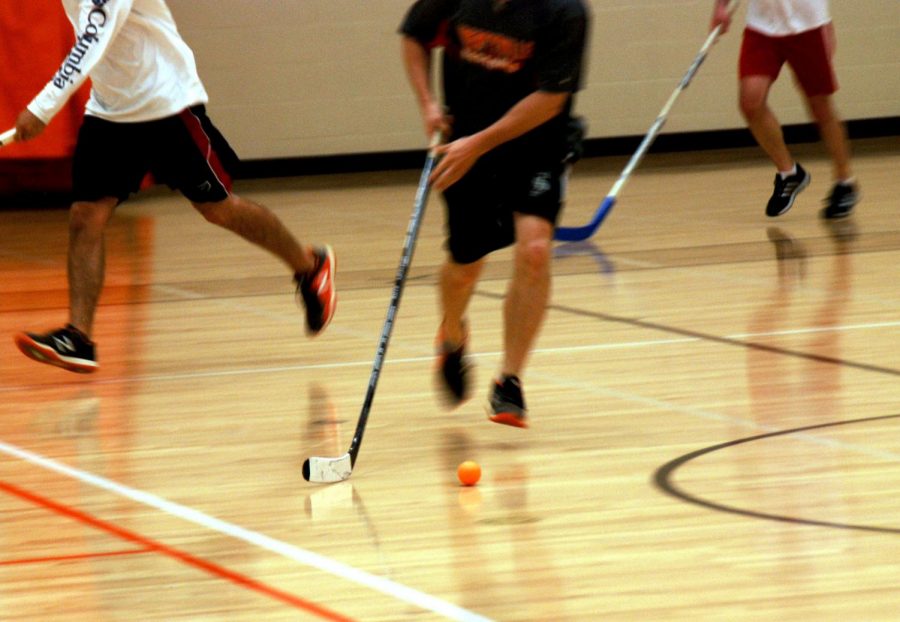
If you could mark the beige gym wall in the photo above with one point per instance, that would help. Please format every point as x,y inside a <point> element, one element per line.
<point>318,77</point>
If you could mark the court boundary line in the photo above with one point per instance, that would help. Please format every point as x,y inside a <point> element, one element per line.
<point>153,546</point>
<point>289,551</point>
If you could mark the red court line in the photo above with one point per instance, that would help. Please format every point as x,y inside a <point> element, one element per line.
<point>66,558</point>
<point>186,558</point>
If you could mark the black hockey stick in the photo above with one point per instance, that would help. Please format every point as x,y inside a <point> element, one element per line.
<point>329,470</point>
<point>577,234</point>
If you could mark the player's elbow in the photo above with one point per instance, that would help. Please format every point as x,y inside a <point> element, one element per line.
<point>555,102</point>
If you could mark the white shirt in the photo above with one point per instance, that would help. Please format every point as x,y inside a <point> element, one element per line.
<point>786,17</point>
<point>140,67</point>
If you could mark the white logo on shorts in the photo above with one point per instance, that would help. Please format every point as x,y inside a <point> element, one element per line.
<point>540,184</point>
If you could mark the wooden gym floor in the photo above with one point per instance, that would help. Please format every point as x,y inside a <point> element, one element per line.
<point>714,401</point>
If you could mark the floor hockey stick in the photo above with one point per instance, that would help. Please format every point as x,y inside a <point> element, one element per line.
<point>7,137</point>
<point>328,470</point>
<point>577,234</point>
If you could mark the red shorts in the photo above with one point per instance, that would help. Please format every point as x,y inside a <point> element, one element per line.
<point>806,53</point>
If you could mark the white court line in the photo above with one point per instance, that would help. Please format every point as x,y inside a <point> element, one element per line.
<point>815,329</point>
<point>383,585</point>
<point>289,551</point>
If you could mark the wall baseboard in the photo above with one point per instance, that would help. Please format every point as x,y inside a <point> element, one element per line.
<point>625,145</point>
<point>44,183</point>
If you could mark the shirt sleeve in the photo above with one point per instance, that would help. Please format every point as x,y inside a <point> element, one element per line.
<point>559,55</point>
<point>426,21</point>
<point>98,22</point>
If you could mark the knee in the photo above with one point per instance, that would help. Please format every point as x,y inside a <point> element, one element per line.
<point>218,213</point>
<point>751,105</point>
<point>89,217</point>
<point>533,256</point>
<point>821,109</point>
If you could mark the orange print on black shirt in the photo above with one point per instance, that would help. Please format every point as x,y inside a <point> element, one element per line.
<point>492,50</point>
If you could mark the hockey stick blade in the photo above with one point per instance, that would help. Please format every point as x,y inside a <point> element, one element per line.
<point>7,137</point>
<point>327,470</point>
<point>331,470</point>
<point>579,234</point>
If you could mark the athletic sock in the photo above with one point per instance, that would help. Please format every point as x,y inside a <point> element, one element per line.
<point>786,174</point>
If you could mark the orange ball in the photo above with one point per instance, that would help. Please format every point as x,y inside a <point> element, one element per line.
<point>468,472</point>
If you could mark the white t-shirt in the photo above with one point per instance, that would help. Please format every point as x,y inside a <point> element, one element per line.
<point>140,67</point>
<point>786,17</point>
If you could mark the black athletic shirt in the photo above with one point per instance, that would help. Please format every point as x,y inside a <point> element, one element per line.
<point>497,52</point>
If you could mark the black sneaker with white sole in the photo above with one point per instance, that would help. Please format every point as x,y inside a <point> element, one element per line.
<point>65,347</point>
<point>841,201</point>
<point>786,191</point>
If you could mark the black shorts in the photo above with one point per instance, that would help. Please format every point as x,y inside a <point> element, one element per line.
<point>184,151</point>
<point>480,206</point>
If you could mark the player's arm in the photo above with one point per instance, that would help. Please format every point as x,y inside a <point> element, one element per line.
<point>423,29</point>
<point>558,65</point>
<point>97,25</point>
<point>417,61</point>
<point>461,154</point>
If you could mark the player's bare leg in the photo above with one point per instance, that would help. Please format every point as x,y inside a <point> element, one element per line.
<point>529,291</point>
<point>457,282</point>
<point>834,134</point>
<point>763,123</point>
<point>71,347</point>
<point>313,267</point>
<point>523,313</point>
<point>87,259</point>
<point>259,225</point>
<point>844,193</point>
<point>791,178</point>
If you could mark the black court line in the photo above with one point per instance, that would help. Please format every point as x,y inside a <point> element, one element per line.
<point>662,478</point>
<point>685,332</point>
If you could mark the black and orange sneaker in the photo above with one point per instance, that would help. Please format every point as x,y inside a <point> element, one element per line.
<point>316,290</point>
<point>66,347</point>
<point>453,369</point>
<point>506,404</point>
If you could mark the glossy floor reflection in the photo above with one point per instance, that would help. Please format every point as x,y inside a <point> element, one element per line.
<point>714,402</point>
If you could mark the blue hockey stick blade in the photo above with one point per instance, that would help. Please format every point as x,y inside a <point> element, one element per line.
<point>578,234</point>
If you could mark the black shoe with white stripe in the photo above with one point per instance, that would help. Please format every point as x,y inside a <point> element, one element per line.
<point>786,191</point>
<point>841,201</point>
<point>66,347</point>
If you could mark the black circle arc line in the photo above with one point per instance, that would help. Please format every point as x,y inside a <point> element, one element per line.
<point>685,332</point>
<point>662,478</point>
